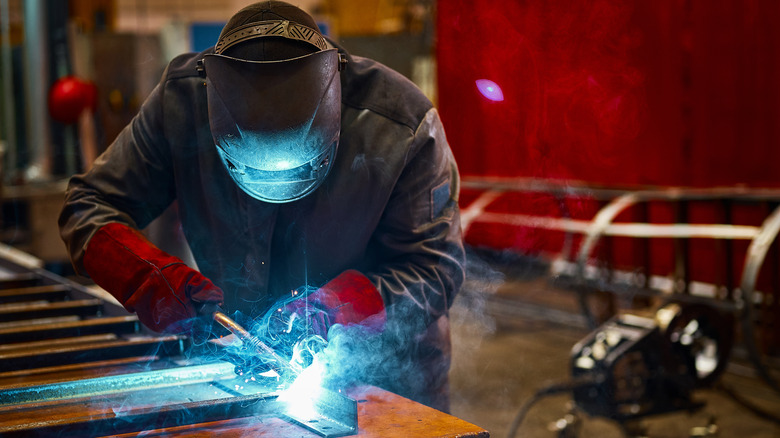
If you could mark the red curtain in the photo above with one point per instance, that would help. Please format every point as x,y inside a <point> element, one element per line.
<point>614,92</point>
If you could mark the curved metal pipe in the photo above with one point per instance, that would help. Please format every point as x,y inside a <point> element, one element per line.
<point>601,221</point>
<point>756,254</point>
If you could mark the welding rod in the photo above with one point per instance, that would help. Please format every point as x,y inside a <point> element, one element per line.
<point>252,341</point>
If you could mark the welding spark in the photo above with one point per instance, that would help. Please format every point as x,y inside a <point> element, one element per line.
<point>490,90</point>
<point>301,395</point>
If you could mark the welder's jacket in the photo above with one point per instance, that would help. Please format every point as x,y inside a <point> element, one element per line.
<point>388,207</point>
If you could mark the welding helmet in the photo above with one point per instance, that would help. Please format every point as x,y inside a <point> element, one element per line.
<point>274,103</point>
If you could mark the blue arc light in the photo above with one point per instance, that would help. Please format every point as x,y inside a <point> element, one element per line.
<point>490,90</point>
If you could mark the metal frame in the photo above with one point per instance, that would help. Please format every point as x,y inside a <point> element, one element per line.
<point>575,270</point>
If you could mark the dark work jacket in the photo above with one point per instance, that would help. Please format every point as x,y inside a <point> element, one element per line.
<point>388,208</point>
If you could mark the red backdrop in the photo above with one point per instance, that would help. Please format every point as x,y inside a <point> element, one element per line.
<point>617,93</point>
<point>614,92</point>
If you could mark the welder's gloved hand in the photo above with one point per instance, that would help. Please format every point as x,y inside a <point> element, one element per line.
<point>350,298</point>
<point>161,289</point>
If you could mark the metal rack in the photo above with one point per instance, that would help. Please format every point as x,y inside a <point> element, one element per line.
<point>75,364</point>
<point>584,265</point>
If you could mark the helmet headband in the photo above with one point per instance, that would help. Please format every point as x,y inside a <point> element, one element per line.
<point>271,28</point>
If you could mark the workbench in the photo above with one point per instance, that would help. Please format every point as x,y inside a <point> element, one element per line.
<point>73,363</point>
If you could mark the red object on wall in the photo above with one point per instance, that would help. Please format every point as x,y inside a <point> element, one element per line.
<point>69,96</point>
<point>613,92</point>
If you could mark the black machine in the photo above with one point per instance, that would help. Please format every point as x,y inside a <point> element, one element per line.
<point>642,365</point>
<point>637,365</point>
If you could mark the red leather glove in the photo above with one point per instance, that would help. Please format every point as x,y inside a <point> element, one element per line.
<point>161,289</point>
<point>350,298</point>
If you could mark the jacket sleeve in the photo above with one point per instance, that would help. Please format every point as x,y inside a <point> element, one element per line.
<point>130,183</point>
<point>419,237</point>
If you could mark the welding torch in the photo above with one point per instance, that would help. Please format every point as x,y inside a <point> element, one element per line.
<point>256,344</point>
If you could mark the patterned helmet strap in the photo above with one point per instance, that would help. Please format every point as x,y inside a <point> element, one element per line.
<point>271,28</point>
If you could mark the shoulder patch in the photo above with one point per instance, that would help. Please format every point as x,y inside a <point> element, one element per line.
<point>440,195</point>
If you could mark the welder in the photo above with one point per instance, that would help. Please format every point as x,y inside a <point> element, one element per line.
<point>294,166</point>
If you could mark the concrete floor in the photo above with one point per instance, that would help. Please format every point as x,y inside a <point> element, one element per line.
<point>506,346</point>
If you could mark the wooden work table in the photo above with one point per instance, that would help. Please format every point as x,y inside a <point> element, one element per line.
<point>380,414</point>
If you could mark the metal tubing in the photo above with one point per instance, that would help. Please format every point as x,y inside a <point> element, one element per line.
<point>8,155</point>
<point>27,279</point>
<point>600,223</point>
<point>28,332</point>
<point>54,292</point>
<point>753,262</point>
<point>22,311</point>
<point>146,381</point>
<point>165,398</point>
<point>93,351</point>
<point>36,69</point>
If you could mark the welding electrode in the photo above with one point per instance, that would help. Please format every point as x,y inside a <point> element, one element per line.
<point>252,341</point>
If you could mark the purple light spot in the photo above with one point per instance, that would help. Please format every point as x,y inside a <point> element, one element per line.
<point>490,89</point>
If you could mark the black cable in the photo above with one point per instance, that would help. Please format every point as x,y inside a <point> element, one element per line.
<point>759,412</point>
<point>523,411</point>
<point>555,388</point>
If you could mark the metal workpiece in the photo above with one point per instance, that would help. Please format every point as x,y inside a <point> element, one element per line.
<point>173,397</point>
<point>21,280</point>
<point>75,364</point>
<point>55,292</point>
<point>45,309</point>
<point>49,321</point>
<point>328,413</point>
<point>141,381</point>
<point>64,352</point>
<point>68,328</point>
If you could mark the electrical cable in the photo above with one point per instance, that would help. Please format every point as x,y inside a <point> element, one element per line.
<point>553,389</point>
<point>759,412</point>
<point>572,385</point>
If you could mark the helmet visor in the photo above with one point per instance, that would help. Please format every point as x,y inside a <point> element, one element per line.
<point>284,184</point>
<point>275,123</point>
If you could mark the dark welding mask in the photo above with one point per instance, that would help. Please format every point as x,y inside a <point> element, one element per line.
<point>275,123</point>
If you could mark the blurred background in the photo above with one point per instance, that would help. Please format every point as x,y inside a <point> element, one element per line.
<point>617,156</point>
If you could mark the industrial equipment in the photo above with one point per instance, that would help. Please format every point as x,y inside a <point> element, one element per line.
<point>640,364</point>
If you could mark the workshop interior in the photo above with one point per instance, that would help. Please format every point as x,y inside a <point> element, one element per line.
<point>619,203</point>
